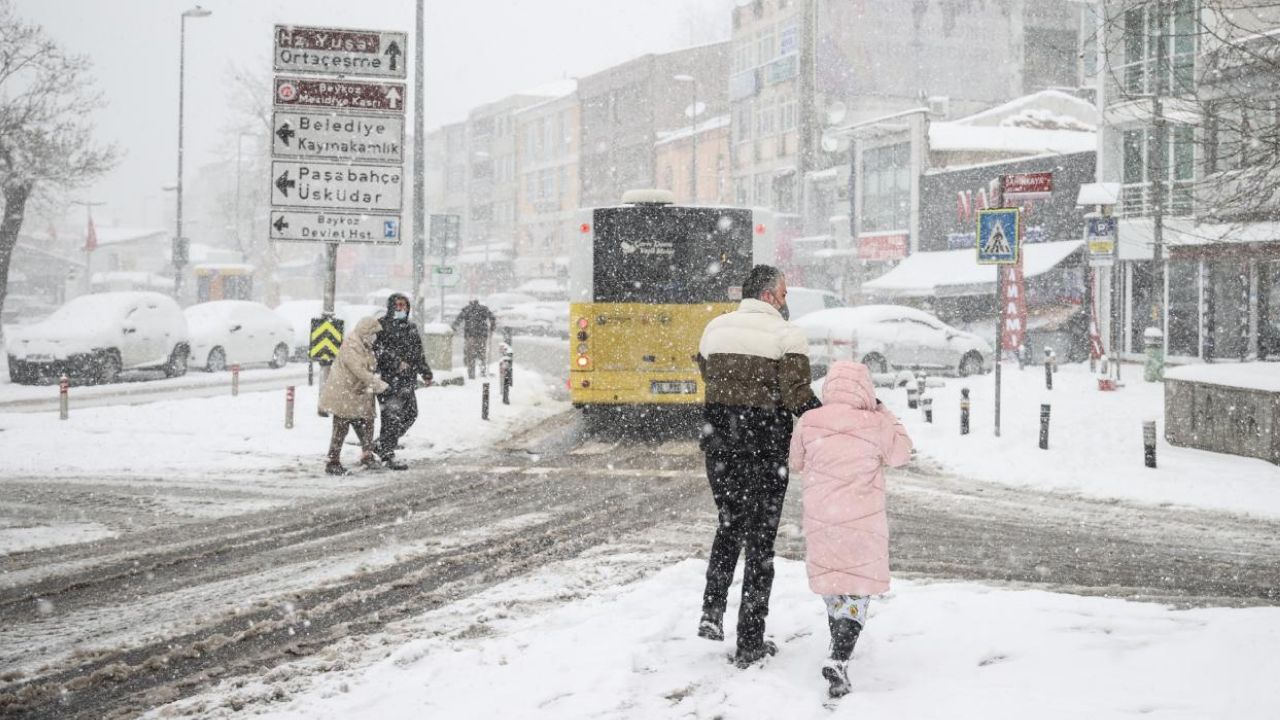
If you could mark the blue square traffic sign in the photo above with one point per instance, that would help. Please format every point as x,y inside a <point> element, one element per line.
<point>389,229</point>
<point>999,236</point>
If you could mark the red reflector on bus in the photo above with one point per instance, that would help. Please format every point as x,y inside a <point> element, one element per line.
<point>760,229</point>
<point>582,323</point>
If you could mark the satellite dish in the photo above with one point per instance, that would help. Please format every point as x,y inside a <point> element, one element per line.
<point>836,112</point>
<point>693,111</point>
<point>834,143</point>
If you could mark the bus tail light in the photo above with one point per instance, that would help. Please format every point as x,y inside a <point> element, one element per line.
<point>583,323</point>
<point>583,361</point>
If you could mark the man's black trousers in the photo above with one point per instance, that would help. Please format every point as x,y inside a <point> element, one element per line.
<point>747,471</point>
<point>399,411</point>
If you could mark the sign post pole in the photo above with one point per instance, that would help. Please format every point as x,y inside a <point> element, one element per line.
<point>999,339</point>
<point>999,243</point>
<point>330,296</point>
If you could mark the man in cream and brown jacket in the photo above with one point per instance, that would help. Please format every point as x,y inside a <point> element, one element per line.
<point>755,366</point>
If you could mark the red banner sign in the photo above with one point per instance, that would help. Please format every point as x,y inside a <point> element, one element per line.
<point>883,247</point>
<point>1028,186</point>
<point>339,94</point>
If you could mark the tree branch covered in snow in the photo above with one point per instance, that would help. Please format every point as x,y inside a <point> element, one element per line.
<point>46,136</point>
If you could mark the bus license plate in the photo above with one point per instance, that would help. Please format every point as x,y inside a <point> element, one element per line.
<point>673,388</point>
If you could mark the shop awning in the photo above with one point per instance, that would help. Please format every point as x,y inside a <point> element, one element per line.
<point>955,273</point>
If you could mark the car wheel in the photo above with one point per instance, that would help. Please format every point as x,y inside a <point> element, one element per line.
<point>876,363</point>
<point>217,361</point>
<point>109,367</point>
<point>177,365</point>
<point>281,356</point>
<point>971,364</point>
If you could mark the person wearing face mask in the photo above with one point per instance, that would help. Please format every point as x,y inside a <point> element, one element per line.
<point>400,362</point>
<point>755,367</point>
<point>348,394</point>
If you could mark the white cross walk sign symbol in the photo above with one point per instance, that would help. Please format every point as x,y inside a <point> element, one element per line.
<point>999,236</point>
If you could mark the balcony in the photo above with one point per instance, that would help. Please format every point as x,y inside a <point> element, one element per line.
<point>1138,200</point>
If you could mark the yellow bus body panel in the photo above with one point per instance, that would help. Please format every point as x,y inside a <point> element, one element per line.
<point>632,345</point>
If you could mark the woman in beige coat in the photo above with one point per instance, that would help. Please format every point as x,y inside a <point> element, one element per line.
<point>349,394</point>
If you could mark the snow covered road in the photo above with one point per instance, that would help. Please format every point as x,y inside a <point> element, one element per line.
<point>169,608</point>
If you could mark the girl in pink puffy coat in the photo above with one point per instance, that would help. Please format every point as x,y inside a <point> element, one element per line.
<point>841,450</point>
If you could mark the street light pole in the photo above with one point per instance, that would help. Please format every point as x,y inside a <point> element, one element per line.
<point>179,242</point>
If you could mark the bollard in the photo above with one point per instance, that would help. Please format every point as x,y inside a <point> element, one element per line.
<point>64,402</point>
<point>506,372</point>
<point>484,402</point>
<point>235,380</point>
<point>288,408</point>
<point>311,373</point>
<point>964,411</point>
<point>1048,370</point>
<point>1044,426</point>
<point>1053,359</point>
<point>1149,442</point>
<point>926,404</point>
<point>913,396</point>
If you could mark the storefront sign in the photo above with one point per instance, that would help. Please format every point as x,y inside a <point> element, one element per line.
<point>1028,186</point>
<point>883,247</point>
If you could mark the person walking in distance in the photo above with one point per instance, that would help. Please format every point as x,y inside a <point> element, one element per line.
<point>755,366</point>
<point>841,451</point>
<point>401,362</point>
<point>477,324</point>
<point>348,394</point>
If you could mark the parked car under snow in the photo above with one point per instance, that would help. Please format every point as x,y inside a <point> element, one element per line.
<point>95,337</point>
<point>536,318</point>
<point>892,337</point>
<point>237,332</point>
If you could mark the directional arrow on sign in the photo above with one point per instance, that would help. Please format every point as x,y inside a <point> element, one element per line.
<point>283,183</point>
<point>284,133</point>
<point>280,224</point>
<point>393,97</point>
<point>394,51</point>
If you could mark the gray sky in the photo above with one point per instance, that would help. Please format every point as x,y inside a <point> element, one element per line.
<point>476,51</point>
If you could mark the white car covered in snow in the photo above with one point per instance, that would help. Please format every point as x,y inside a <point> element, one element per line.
<point>97,336</point>
<point>237,332</point>
<point>536,318</point>
<point>892,337</point>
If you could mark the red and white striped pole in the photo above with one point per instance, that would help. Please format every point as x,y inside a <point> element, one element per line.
<point>64,406</point>
<point>235,380</point>
<point>288,408</point>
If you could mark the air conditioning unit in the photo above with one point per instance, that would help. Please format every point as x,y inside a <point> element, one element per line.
<point>939,106</point>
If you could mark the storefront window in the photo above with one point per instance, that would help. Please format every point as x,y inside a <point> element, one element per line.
<point>886,188</point>
<point>1184,308</point>
<point>1142,303</point>
<point>1269,310</point>
<point>1227,310</point>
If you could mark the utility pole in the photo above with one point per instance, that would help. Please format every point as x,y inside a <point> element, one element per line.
<point>808,101</point>
<point>1159,166</point>
<point>419,172</point>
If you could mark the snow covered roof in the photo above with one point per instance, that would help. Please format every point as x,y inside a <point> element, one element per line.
<point>122,235</point>
<point>954,137</point>
<point>1065,107</point>
<point>136,278</point>
<point>553,89</point>
<point>715,123</point>
<point>955,273</point>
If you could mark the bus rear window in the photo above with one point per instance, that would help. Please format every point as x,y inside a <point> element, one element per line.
<point>670,254</point>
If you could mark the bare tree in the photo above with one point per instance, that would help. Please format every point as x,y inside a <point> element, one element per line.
<point>46,137</point>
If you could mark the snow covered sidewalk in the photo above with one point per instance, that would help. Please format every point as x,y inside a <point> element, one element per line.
<point>1095,442</point>
<point>570,642</point>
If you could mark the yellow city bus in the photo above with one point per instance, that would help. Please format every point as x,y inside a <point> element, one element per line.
<point>645,278</point>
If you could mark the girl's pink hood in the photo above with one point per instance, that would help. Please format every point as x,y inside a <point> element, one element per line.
<point>849,383</point>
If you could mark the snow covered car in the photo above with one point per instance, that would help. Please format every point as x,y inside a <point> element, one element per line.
<point>237,332</point>
<point>892,337</point>
<point>95,337</point>
<point>536,318</point>
<point>299,314</point>
<point>803,301</point>
<point>505,300</point>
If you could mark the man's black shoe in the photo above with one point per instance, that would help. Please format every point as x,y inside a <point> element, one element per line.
<point>395,464</point>
<point>746,657</point>
<point>711,628</point>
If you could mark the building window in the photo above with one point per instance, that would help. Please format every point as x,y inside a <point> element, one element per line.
<point>1243,133</point>
<point>788,115</point>
<point>762,196</point>
<point>1141,45</point>
<point>766,116</point>
<point>886,188</point>
<point>745,121</point>
<point>1141,162</point>
<point>765,45</point>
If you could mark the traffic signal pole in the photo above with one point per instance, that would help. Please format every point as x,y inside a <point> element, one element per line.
<point>419,174</point>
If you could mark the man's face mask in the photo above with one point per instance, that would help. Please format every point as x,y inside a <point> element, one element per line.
<point>401,314</point>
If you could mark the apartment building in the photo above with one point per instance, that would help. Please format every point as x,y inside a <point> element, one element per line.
<point>548,185</point>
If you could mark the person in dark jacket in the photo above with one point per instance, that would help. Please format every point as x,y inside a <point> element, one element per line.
<point>755,366</point>
<point>401,361</point>
<point>477,323</point>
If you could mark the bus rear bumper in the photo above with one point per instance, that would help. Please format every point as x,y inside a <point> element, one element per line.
<point>635,389</point>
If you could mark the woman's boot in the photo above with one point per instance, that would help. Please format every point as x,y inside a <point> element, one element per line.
<point>844,635</point>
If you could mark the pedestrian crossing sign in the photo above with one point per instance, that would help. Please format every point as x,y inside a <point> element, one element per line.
<point>999,236</point>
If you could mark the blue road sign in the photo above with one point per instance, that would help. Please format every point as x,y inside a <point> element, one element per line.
<point>999,236</point>
<point>389,229</point>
